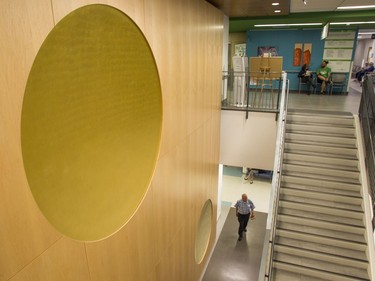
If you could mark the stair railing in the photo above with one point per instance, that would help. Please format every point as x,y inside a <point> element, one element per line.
<point>265,272</point>
<point>367,118</point>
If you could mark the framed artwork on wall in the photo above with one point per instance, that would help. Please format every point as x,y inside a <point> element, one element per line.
<point>297,54</point>
<point>306,56</point>
<point>267,51</point>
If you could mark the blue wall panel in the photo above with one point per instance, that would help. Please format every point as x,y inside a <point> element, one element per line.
<point>284,41</point>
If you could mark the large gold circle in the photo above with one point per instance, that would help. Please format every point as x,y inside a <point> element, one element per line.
<point>203,233</point>
<point>91,122</point>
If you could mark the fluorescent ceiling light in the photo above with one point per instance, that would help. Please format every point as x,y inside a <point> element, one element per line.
<point>352,22</point>
<point>287,24</point>
<point>277,11</point>
<point>356,7</point>
<point>365,33</point>
<point>275,4</point>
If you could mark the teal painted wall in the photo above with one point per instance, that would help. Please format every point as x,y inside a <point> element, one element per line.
<point>284,41</point>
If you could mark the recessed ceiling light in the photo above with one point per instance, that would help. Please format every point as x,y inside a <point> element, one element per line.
<point>287,24</point>
<point>275,4</point>
<point>277,11</point>
<point>356,7</point>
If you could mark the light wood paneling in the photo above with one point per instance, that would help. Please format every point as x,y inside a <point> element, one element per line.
<point>65,260</point>
<point>133,8</point>
<point>24,232</point>
<point>158,242</point>
<point>125,255</point>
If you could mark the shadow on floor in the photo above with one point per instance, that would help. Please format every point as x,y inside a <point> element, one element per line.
<point>234,260</point>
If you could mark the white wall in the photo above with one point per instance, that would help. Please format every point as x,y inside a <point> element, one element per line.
<point>359,51</point>
<point>362,49</point>
<point>225,43</point>
<point>224,95</point>
<point>248,143</point>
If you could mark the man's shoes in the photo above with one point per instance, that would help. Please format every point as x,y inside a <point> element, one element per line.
<point>245,230</point>
<point>240,238</point>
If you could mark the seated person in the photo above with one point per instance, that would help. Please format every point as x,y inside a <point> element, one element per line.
<point>323,74</point>
<point>306,76</point>
<point>368,69</point>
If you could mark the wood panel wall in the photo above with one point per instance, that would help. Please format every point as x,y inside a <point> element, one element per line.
<point>158,242</point>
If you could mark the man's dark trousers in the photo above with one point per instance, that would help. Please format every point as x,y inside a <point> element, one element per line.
<point>243,220</point>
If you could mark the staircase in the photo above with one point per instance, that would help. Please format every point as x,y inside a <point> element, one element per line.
<point>320,232</point>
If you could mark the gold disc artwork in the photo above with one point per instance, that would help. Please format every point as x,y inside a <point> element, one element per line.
<point>91,122</point>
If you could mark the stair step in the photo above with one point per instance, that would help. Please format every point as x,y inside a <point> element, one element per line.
<point>318,239</point>
<point>284,275</point>
<point>321,246</point>
<point>319,202</point>
<point>320,213</point>
<point>322,113</point>
<point>317,119</point>
<point>289,272</point>
<point>325,178</point>
<point>344,213</point>
<point>323,190</point>
<point>337,152</point>
<point>322,201</point>
<point>329,173</point>
<point>326,130</point>
<point>317,139</point>
<point>321,154</point>
<point>303,253</point>
<point>349,201</point>
<point>327,185</point>
<point>321,161</point>
<point>304,138</point>
<point>322,265</point>
<point>318,229</point>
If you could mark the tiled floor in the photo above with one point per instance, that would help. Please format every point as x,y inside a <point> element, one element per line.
<point>348,103</point>
<point>235,260</point>
<point>259,192</point>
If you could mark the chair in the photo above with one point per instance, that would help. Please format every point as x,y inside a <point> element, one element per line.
<point>338,80</point>
<point>355,69</point>
<point>304,83</point>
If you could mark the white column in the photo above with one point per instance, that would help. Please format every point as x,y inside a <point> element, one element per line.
<point>219,190</point>
<point>225,54</point>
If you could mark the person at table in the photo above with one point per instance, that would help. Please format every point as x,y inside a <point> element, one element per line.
<point>323,74</point>
<point>306,77</point>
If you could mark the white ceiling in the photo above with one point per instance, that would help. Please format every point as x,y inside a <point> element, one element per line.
<point>297,6</point>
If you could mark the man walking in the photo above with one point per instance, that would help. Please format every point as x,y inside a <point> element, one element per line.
<point>244,209</point>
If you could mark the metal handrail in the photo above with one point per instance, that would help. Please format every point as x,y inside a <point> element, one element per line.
<point>276,183</point>
<point>251,91</point>
<point>366,110</point>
